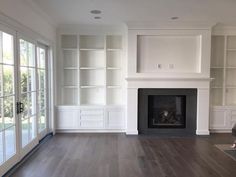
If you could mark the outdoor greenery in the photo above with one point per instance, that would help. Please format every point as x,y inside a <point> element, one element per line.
<point>26,84</point>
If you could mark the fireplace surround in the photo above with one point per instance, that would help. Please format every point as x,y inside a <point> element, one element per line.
<point>154,65</point>
<point>167,111</point>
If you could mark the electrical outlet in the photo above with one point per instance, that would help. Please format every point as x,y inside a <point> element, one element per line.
<point>158,66</point>
<point>171,66</point>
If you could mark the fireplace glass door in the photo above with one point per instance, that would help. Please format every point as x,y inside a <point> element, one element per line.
<point>166,111</point>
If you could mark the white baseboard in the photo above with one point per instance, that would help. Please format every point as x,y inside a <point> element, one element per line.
<point>221,130</point>
<point>132,132</point>
<point>202,132</point>
<point>88,131</point>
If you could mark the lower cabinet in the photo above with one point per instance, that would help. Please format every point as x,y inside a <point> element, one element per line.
<point>90,118</point>
<point>222,118</point>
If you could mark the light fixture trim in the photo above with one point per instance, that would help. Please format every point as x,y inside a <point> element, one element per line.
<point>95,11</point>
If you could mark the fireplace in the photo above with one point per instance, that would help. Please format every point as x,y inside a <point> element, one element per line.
<point>167,111</point>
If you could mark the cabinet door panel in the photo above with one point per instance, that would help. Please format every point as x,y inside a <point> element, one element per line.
<point>218,119</point>
<point>67,119</point>
<point>115,119</point>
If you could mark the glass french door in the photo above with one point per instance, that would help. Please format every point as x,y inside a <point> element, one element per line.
<point>8,96</point>
<point>32,93</point>
<point>27,108</point>
<point>42,90</point>
<point>23,93</point>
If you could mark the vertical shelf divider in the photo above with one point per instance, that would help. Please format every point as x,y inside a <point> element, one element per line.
<point>224,72</point>
<point>78,70</point>
<point>105,70</point>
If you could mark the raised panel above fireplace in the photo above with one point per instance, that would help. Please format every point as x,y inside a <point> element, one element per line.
<point>175,53</point>
<point>169,53</point>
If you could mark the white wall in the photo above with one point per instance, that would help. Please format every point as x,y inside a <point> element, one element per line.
<point>28,15</point>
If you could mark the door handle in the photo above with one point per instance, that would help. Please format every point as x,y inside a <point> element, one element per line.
<point>19,107</point>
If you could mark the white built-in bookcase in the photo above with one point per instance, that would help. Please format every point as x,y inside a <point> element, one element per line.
<point>223,71</point>
<point>92,70</point>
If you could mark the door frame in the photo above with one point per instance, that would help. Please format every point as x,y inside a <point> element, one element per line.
<point>44,132</point>
<point>15,158</point>
<point>25,150</point>
<point>20,153</point>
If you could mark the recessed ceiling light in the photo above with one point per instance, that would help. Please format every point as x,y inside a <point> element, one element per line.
<point>97,18</point>
<point>95,11</point>
<point>174,18</point>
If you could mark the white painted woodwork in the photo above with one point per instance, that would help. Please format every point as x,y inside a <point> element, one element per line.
<point>192,74</point>
<point>92,79</point>
<point>159,53</point>
<point>90,118</point>
<point>192,64</point>
<point>223,84</point>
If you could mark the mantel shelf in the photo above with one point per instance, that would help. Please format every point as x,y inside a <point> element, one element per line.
<point>166,79</point>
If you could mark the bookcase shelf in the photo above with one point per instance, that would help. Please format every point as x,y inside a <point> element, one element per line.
<point>223,70</point>
<point>92,70</point>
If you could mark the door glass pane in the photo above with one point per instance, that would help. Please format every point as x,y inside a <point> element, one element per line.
<point>41,88</point>
<point>41,58</point>
<point>24,79</point>
<point>1,78</point>
<point>31,80</point>
<point>10,142</point>
<point>42,120</point>
<point>8,79</point>
<point>32,132</point>
<point>28,91</point>
<point>31,55</point>
<point>25,132</point>
<point>27,55</point>
<point>8,109</point>
<point>42,76</point>
<point>24,100</point>
<point>1,148</point>
<point>31,102</point>
<point>41,100</point>
<point>7,48</point>
<point>23,53</point>
<point>1,115</point>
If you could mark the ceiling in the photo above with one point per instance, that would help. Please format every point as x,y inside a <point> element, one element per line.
<point>120,11</point>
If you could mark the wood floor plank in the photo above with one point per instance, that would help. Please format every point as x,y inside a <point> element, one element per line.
<point>118,155</point>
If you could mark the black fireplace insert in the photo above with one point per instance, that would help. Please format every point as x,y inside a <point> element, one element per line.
<point>167,111</point>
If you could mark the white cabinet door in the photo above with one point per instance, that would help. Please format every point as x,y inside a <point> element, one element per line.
<point>115,118</point>
<point>233,118</point>
<point>219,119</point>
<point>67,119</point>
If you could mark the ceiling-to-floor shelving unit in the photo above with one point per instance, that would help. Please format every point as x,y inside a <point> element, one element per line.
<point>92,81</point>
<point>223,84</point>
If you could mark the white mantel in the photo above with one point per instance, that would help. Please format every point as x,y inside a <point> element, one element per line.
<point>168,77</point>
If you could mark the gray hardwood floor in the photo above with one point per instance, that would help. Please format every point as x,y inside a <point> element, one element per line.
<point>118,155</point>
